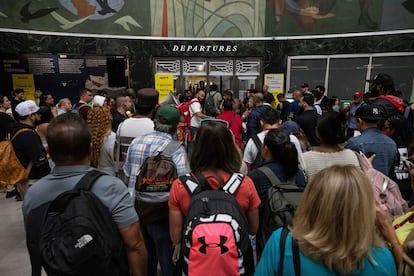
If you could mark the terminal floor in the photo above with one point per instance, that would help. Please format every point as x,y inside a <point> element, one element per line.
<point>14,259</point>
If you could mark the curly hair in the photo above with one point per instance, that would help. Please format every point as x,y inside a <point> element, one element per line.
<point>100,122</point>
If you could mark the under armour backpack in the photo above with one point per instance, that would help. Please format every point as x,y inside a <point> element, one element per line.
<point>79,235</point>
<point>280,206</point>
<point>215,230</point>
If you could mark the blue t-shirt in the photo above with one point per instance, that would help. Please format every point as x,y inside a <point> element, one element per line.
<point>269,261</point>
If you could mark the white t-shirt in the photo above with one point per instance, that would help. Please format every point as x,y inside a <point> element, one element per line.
<point>250,151</point>
<point>134,127</point>
<point>315,161</point>
<point>195,107</point>
<point>106,161</point>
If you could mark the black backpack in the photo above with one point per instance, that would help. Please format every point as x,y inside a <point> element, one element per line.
<point>279,207</point>
<point>215,229</point>
<point>209,107</point>
<point>79,236</point>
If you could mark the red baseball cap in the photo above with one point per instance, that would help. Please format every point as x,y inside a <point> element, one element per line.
<point>358,94</point>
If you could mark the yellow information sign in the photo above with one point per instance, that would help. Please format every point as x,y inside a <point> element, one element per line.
<point>164,84</point>
<point>25,82</point>
<point>275,83</point>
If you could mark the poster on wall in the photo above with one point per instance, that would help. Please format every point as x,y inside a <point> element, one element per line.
<point>25,82</point>
<point>275,83</point>
<point>164,84</point>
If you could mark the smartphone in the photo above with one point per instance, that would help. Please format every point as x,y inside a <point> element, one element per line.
<point>369,154</point>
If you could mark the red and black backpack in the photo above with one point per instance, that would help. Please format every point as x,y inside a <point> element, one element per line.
<point>215,232</point>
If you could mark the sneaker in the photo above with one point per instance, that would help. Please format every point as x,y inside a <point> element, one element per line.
<point>11,193</point>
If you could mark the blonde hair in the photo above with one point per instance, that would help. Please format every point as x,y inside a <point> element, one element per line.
<point>62,102</point>
<point>100,122</point>
<point>335,220</point>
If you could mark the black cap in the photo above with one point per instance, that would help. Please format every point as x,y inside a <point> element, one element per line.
<point>370,112</point>
<point>383,79</point>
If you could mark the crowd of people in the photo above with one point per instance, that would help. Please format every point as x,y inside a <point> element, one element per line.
<point>310,141</point>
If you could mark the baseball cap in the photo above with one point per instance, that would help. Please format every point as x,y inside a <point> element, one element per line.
<point>291,127</point>
<point>358,94</point>
<point>383,79</point>
<point>147,96</point>
<point>26,108</point>
<point>369,112</point>
<point>168,114</point>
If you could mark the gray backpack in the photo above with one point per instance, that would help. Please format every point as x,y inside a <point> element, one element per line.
<point>280,206</point>
<point>209,106</point>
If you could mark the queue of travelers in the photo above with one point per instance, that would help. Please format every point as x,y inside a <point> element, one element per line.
<point>208,213</point>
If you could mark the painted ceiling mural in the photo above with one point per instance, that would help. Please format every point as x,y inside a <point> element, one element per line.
<point>207,18</point>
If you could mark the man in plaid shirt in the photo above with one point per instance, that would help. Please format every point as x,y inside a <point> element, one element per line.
<point>155,225</point>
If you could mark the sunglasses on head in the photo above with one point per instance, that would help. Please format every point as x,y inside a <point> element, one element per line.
<point>214,120</point>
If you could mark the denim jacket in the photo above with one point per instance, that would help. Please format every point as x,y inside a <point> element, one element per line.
<point>385,149</point>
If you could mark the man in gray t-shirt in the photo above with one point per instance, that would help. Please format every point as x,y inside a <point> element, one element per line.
<point>69,141</point>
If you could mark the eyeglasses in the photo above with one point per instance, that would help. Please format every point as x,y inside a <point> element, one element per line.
<point>215,120</point>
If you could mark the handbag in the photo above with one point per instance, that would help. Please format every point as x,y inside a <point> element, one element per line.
<point>386,191</point>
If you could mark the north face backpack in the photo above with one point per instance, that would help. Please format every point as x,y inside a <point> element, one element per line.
<point>153,184</point>
<point>209,106</point>
<point>79,235</point>
<point>280,206</point>
<point>215,237</point>
<point>11,170</point>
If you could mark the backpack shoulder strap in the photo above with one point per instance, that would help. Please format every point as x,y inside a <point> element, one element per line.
<point>87,181</point>
<point>257,141</point>
<point>189,183</point>
<point>270,175</point>
<point>295,253</point>
<point>82,105</point>
<point>296,256</point>
<point>171,147</point>
<point>407,112</point>
<point>20,131</point>
<point>282,243</point>
<point>233,183</point>
<point>193,186</point>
